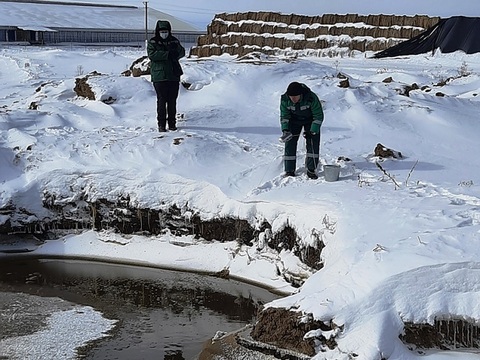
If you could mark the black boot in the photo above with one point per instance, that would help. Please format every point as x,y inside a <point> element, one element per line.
<point>312,175</point>
<point>162,125</point>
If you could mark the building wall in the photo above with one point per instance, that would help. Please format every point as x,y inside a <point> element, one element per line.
<point>14,35</point>
<point>85,37</point>
<point>92,37</point>
<point>32,21</point>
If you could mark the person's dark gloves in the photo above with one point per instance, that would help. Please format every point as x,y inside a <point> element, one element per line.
<point>286,136</point>
<point>309,134</point>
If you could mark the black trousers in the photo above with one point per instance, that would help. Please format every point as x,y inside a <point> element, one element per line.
<point>312,144</point>
<point>167,94</point>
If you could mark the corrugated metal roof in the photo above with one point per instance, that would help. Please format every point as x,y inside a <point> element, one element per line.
<point>85,16</point>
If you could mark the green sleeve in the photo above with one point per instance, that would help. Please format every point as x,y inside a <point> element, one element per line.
<point>284,114</point>
<point>317,113</point>
<point>155,53</point>
<point>181,51</point>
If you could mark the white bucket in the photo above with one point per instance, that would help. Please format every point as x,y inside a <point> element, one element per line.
<point>331,172</point>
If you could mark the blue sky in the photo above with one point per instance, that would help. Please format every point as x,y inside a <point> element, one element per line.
<point>201,12</point>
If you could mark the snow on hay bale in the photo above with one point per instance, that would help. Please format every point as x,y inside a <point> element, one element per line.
<point>275,33</point>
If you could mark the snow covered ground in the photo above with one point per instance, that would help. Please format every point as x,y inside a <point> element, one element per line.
<point>401,245</point>
<point>47,327</point>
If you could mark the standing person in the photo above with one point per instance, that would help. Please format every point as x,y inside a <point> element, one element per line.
<point>164,50</point>
<point>300,108</point>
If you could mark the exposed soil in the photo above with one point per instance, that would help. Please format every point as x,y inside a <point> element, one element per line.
<point>286,329</point>
<point>83,89</point>
<point>443,334</point>
<point>122,217</point>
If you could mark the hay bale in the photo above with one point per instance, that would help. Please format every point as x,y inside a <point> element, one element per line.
<point>231,29</point>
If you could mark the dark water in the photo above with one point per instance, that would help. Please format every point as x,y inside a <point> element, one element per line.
<point>163,314</point>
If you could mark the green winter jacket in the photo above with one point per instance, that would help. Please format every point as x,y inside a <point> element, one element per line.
<point>164,55</point>
<point>308,109</point>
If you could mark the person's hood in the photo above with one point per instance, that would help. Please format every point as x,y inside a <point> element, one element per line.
<point>162,25</point>
<point>296,88</point>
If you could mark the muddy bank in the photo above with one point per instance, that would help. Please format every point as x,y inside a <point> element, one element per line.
<point>122,217</point>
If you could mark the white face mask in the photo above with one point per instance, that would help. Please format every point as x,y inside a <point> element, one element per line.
<point>163,34</point>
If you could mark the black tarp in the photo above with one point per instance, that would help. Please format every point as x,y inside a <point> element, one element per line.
<point>448,35</point>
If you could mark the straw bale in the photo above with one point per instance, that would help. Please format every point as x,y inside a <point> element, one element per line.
<point>236,36</point>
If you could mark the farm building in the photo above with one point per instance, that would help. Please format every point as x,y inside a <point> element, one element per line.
<point>56,22</point>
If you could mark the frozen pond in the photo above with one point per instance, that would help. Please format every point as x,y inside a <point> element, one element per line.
<point>162,314</point>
